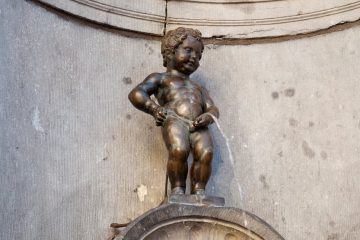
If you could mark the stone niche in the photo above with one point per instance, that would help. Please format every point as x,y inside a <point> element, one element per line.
<point>232,19</point>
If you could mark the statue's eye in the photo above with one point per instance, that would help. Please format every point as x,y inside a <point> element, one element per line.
<point>188,50</point>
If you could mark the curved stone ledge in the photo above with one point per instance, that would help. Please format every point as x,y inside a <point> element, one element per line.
<point>146,16</point>
<point>230,19</point>
<point>261,19</point>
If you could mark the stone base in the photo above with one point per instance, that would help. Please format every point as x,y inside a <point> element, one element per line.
<point>183,221</point>
<point>197,200</point>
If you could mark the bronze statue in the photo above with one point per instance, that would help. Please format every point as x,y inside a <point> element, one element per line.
<point>182,108</point>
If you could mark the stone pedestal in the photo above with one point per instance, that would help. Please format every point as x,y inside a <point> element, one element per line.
<point>184,221</point>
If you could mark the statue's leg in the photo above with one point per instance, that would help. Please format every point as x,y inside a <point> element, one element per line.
<point>176,137</point>
<point>202,149</point>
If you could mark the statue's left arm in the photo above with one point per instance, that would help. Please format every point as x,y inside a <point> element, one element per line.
<point>210,110</point>
<point>209,106</point>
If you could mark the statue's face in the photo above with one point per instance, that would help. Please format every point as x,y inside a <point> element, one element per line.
<point>187,55</point>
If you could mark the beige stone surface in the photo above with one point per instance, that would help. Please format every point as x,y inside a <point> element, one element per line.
<point>74,153</point>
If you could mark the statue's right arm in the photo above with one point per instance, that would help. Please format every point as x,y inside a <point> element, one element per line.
<point>140,95</point>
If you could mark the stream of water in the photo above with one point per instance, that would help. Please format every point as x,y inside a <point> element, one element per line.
<point>231,157</point>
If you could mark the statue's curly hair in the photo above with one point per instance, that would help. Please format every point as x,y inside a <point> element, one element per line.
<point>174,38</point>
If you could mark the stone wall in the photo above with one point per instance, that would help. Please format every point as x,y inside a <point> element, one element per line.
<point>76,156</point>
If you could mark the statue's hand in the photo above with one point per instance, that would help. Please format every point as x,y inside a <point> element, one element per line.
<point>160,115</point>
<point>203,120</point>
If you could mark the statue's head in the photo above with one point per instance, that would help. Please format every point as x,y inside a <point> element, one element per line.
<point>182,49</point>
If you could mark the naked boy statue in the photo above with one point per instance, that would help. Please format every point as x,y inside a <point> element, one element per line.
<point>183,109</point>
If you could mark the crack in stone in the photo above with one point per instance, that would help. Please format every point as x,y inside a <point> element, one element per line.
<point>166,17</point>
<point>343,25</point>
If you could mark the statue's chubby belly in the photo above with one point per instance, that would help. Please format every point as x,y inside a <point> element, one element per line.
<point>186,109</point>
<point>185,101</point>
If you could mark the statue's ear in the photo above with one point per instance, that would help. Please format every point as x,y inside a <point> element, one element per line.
<point>168,59</point>
<point>170,56</point>
<point>174,49</point>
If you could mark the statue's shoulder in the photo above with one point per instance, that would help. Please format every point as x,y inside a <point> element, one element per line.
<point>156,77</point>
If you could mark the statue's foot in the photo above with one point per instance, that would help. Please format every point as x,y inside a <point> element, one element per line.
<point>178,190</point>
<point>199,192</point>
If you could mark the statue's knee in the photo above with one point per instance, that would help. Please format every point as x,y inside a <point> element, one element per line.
<point>206,156</point>
<point>179,152</point>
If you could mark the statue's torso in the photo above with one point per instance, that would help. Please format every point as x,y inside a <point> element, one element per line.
<point>183,96</point>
